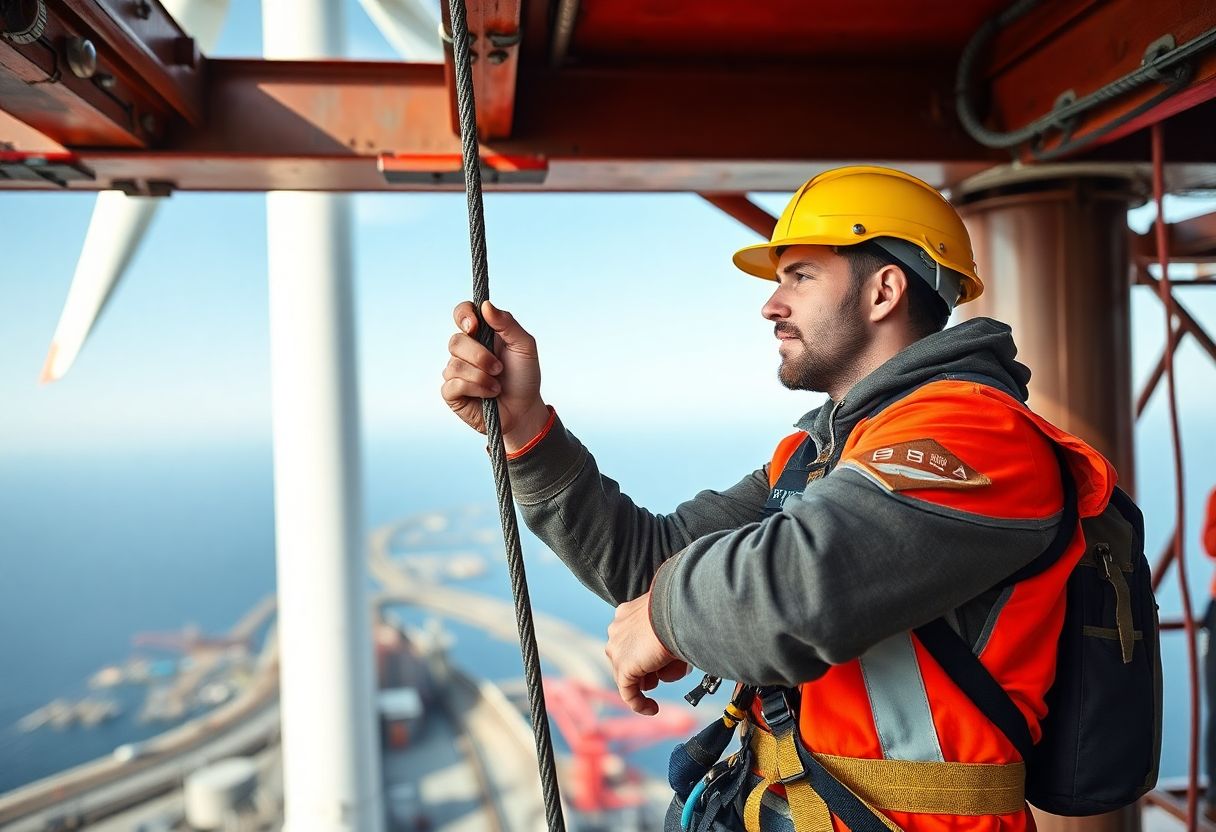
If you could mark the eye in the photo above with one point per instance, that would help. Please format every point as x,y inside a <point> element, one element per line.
<point>801,276</point>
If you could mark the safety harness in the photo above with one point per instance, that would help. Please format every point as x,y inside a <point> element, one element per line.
<point>820,785</point>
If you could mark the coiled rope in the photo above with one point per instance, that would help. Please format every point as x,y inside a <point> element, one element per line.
<point>467,110</point>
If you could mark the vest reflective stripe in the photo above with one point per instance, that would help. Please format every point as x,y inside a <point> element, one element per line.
<point>898,701</point>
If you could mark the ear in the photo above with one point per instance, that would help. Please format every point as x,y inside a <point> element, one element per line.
<point>888,286</point>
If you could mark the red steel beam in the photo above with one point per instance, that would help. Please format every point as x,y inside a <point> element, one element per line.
<point>1186,321</point>
<point>745,211</point>
<point>1190,238</point>
<point>1081,45</point>
<point>154,49</point>
<point>1195,237</point>
<point>1161,567</point>
<point>495,35</point>
<point>323,125</point>
<point>147,74</point>
<point>1154,378</point>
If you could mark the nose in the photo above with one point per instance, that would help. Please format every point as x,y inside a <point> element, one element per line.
<point>775,309</point>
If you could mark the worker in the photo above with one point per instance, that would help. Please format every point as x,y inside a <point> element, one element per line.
<point>910,495</point>
<point>1209,663</point>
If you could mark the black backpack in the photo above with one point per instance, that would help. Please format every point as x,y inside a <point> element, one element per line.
<point>1101,738</point>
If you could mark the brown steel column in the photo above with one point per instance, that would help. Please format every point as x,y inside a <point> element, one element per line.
<point>1054,258</point>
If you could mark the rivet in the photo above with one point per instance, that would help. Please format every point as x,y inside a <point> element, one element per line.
<point>142,9</point>
<point>496,57</point>
<point>105,81</point>
<point>148,122</point>
<point>941,247</point>
<point>858,228</point>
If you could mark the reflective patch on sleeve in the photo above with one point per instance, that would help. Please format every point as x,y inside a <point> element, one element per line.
<point>921,463</point>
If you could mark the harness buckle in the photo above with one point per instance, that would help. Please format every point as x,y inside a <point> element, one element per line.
<point>793,778</point>
<point>777,708</point>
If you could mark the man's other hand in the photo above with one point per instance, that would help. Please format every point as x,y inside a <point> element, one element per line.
<point>639,660</point>
<point>510,373</point>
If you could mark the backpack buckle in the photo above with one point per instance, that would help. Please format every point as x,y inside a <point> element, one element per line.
<point>708,686</point>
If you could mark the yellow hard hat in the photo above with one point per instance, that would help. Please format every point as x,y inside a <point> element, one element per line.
<point>851,205</point>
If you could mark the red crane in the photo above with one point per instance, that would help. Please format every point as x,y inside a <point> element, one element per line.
<point>598,728</point>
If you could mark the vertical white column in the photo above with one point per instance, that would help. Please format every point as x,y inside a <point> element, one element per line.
<point>331,767</point>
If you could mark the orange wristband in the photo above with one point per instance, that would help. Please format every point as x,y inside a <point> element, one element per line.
<point>535,440</point>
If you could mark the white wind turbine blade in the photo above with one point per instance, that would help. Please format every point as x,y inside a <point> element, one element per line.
<point>119,222</point>
<point>201,19</point>
<point>409,26</point>
<point>117,227</point>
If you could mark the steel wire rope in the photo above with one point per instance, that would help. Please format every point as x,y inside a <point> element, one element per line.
<point>467,111</point>
<point>1188,618</point>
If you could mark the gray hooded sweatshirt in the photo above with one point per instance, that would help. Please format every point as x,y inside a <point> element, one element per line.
<point>842,566</point>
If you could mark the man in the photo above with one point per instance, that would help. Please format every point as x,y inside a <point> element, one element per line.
<point>911,495</point>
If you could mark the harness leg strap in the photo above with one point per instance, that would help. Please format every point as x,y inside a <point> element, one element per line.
<point>807,809</point>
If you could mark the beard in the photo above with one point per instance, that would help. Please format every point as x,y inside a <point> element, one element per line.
<point>831,356</point>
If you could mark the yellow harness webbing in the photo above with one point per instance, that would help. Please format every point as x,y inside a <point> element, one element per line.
<point>893,785</point>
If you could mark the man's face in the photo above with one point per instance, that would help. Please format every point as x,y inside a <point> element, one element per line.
<point>817,317</point>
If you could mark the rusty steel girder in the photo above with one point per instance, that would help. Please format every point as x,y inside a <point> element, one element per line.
<point>1064,50</point>
<point>103,73</point>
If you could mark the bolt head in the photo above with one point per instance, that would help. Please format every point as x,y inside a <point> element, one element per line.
<point>859,229</point>
<point>104,80</point>
<point>496,57</point>
<point>81,55</point>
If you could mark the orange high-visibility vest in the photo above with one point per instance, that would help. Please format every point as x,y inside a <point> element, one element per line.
<point>895,701</point>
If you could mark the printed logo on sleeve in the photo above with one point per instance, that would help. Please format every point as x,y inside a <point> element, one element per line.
<point>921,463</point>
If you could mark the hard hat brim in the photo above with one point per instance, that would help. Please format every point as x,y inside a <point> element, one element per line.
<point>760,260</point>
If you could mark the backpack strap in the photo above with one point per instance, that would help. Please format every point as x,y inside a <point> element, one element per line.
<point>962,665</point>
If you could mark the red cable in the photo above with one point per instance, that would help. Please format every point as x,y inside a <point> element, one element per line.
<point>1188,618</point>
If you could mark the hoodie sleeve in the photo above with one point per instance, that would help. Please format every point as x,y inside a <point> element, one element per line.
<point>612,545</point>
<point>935,500</point>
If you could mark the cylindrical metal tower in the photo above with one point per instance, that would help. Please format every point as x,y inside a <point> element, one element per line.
<point>1053,254</point>
<point>331,768</point>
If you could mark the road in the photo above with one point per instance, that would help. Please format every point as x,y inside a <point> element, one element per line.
<point>571,651</point>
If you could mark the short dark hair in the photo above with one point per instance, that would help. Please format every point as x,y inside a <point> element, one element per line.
<point>927,310</point>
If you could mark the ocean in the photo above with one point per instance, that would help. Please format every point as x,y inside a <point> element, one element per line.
<point>96,547</point>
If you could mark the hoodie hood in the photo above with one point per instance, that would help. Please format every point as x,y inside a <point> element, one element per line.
<point>980,346</point>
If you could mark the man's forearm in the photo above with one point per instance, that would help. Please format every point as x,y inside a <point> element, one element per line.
<point>610,543</point>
